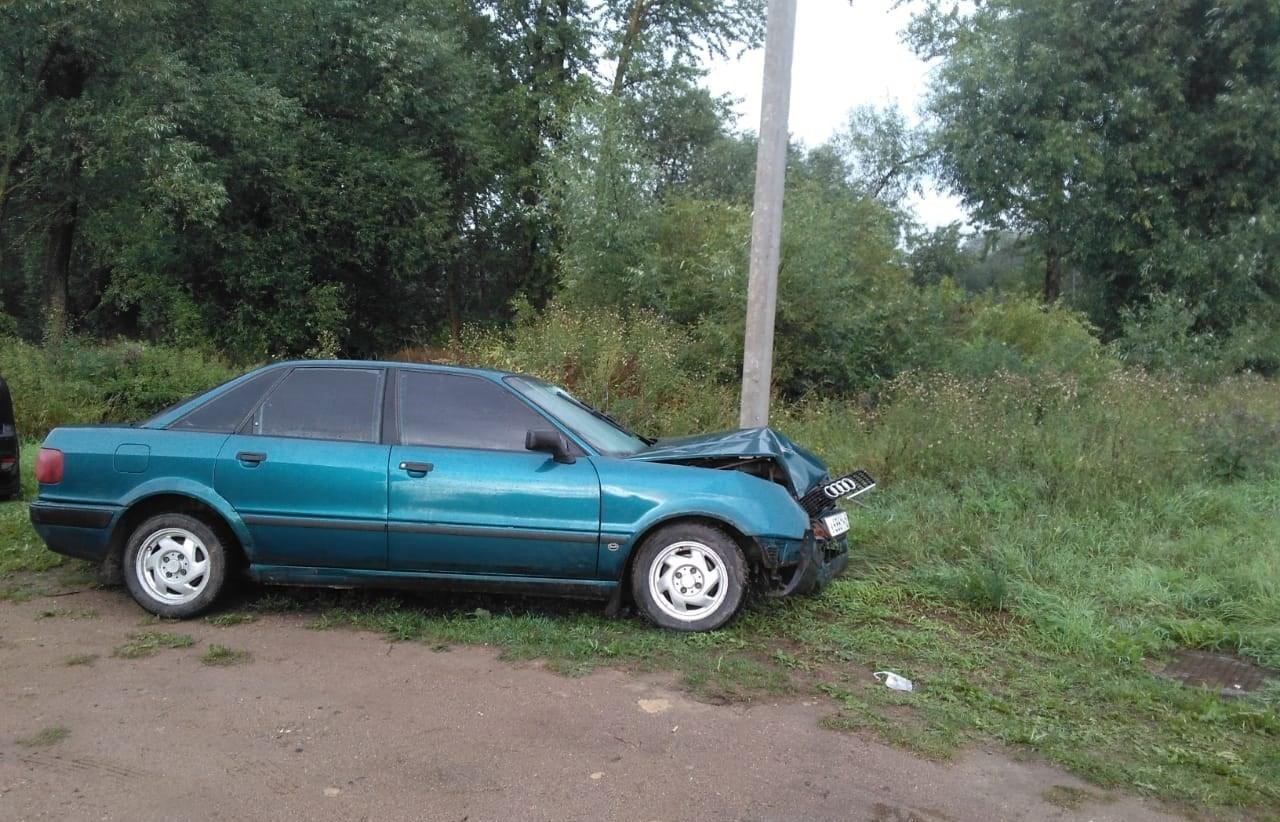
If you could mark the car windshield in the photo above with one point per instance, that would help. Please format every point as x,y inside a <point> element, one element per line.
<point>597,428</point>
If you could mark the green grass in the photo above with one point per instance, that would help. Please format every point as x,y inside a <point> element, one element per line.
<point>80,659</point>
<point>146,643</point>
<point>45,737</point>
<point>231,618</point>
<point>222,655</point>
<point>20,549</point>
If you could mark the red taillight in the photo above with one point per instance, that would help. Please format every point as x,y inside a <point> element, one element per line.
<point>7,463</point>
<point>49,466</point>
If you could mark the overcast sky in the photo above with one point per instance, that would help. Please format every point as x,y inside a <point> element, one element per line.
<point>846,55</point>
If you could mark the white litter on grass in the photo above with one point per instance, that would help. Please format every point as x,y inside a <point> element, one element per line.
<point>892,680</point>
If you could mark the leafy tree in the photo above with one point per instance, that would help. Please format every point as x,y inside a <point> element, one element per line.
<point>268,178</point>
<point>886,156</point>
<point>649,39</point>
<point>1132,141</point>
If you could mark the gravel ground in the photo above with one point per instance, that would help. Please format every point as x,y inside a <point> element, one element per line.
<point>343,725</point>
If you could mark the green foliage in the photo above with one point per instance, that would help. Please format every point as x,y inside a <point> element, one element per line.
<point>269,179</point>
<point>76,383</point>
<point>1168,334</point>
<point>636,367</point>
<point>1132,143</point>
<point>1239,444</point>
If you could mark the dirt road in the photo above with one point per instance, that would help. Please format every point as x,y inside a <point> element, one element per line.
<point>343,725</point>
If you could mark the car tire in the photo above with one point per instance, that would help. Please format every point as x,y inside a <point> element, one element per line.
<point>689,577</point>
<point>175,565</point>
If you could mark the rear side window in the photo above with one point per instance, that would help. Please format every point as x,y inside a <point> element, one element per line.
<point>224,413</point>
<point>462,412</point>
<point>324,404</point>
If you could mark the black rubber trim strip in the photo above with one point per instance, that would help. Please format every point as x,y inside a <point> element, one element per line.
<point>417,528</point>
<point>314,522</point>
<point>499,533</point>
<point>72,516</point>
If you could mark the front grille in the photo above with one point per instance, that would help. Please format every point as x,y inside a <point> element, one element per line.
<point>855,484</point>
<point>815,502</point>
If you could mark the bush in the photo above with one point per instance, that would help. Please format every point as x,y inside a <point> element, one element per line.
<point>78,382</point>
<point>1239,444</point>
<point>635,367</point>
<point>1164,336</point>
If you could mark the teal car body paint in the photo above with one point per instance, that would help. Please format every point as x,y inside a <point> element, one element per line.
<point>353,473</point>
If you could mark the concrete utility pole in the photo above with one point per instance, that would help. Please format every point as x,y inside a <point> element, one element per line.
<point>766,218</point>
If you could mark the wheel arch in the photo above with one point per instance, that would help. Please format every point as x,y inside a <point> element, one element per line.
<point>750,547</point>
<point>169,502</point>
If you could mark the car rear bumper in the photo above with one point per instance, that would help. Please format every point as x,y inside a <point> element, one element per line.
<point>81,531</point>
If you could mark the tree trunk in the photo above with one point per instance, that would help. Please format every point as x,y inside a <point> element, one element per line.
<point>56,267</point>
<point>64,72</point>
<point>635,23</point>
<point>455,313</point>
<point>1052,275</point>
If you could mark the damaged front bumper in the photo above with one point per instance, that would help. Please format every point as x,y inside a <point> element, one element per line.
<point>802,566</point>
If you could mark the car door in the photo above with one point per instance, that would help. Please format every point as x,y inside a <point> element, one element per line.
<point>466,497</point>
<point>307,472</point>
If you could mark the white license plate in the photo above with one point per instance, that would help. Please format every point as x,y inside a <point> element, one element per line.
<point>836,524</point>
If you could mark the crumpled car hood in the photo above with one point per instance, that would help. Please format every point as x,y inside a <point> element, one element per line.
<point>803,468</point>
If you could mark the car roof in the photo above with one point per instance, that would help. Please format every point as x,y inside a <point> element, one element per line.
<point>175,411</point>
<point>424,366</point>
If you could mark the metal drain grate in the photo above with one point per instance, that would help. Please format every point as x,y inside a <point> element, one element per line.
<point>1227,674</point>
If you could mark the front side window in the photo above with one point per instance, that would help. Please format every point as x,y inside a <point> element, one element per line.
<point>457,411</point>
<point>603,433</point>
<point>324,404</point>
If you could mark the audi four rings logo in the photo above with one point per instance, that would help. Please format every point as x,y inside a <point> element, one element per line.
<point>839,488</point>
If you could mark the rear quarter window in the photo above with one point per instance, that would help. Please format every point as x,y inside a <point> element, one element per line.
<point>224,413</point>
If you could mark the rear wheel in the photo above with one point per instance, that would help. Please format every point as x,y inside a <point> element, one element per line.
<point>689,577</point>
<point>175,565</point>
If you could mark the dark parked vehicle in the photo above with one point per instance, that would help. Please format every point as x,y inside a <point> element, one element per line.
<point>351,474</point>
<point>10,459</point>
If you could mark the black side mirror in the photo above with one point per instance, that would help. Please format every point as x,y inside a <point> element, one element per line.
<point>550,441</point>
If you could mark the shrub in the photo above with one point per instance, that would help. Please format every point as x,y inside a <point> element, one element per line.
<point>78,382</point>
<point>635,367</point>
<point>1239,444</point>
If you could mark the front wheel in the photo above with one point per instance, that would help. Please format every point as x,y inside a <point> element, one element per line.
<point>175,565</point>
<point>689,577</point>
